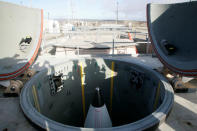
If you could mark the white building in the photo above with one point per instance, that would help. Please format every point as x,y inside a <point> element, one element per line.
<point>51,26</point>
<point>67,27</point>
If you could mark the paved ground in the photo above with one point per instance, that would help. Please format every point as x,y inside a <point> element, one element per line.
<point>184,113</point>
<point>182,118</point>
<point>12,117</point>
<point>46,60</point>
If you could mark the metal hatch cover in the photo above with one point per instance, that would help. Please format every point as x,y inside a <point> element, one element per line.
<point>173,33</point>
<point>20,38</point>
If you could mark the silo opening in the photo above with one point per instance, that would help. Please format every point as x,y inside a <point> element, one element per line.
<point>65,92</point>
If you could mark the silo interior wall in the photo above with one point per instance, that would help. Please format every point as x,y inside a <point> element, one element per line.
<point>129,102</point>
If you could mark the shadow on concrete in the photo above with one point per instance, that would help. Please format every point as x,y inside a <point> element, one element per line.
<point>11,62</point>
<point>181,118</point>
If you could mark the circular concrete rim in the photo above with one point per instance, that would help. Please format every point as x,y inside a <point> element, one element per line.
<point>155,118</point>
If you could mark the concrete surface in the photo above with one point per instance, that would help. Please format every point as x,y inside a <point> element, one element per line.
<point>12,117</point>
<point>45,60</point>
<point>182,118</point>
<point>184,113</point>
<point>90,39</point>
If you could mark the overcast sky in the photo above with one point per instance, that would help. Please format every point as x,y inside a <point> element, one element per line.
<point>93,9</point>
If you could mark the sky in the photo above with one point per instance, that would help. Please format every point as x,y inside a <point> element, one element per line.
<point>92,9</point>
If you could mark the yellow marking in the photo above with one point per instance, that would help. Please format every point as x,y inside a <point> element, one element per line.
<point>111,85</point>
<point>35,97</point>
<point>82,89</point>
<point>157,96</point>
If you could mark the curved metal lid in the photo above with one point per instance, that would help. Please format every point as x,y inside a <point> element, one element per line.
<point>20,38</point>
<point>173,32</point>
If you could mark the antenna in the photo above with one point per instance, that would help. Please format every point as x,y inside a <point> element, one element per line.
<point>21,2</point>
<point>117,13</point>
<point>48,15</point>
<point>30,3</point>
<point>72,12</point>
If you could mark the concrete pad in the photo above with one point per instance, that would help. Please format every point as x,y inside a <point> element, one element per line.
<point>184,113</point>
<point>12,117</point>
<point>183,116</point>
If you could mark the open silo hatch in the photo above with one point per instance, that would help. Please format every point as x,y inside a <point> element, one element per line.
<point>172,30</point>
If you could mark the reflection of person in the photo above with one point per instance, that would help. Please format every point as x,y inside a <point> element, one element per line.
<point>93,70</point>
<point>28,40</point>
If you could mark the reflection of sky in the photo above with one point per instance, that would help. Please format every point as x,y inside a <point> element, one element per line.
<point>93,9</point>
